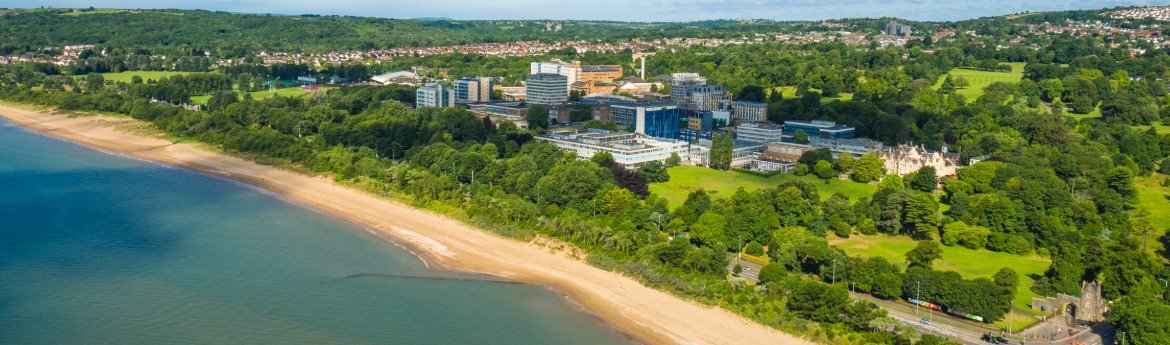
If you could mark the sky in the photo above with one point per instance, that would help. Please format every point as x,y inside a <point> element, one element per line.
<point>623,10</point>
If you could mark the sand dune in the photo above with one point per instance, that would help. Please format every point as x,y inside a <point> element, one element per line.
<point>648,315</point>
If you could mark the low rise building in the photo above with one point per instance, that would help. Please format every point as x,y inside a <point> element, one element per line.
<point>760,132</point>
<point>512,111</point>
<point>742,153</point>
<point>854,146</point>
<point>606,73</point>
<point>904,159</point>
<point>397,78</point>
<point>819,129</point>
<point>631,150</point>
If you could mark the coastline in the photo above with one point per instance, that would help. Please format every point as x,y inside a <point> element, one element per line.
<point>646,314</point>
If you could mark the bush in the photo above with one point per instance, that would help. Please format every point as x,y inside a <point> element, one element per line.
<point>800,170</point>
<point>754,248</point>
<point>772,272</point>
<point>1009,243</point>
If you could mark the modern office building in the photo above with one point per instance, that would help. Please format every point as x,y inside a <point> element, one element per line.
<point>571,70</point>
<point>708,97</point>
<point>434,95</point>
<point>744,111</point>
<point>759,132</point>
<point>659,120</point>
<point>473,90</point>
<point>631,150</point>
<point>682,83</point>
<point>818,129</point>
<point>547,88</point>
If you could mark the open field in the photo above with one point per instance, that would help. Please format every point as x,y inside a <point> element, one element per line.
<point>981,79</point>
<point>146,75</point>
<point>789,92</point>
<point>285,92</point>
<point>1155,199</point>
<point>685,179</point>
<point>967,262</point>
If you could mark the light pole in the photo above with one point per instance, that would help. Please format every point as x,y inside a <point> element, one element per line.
<point>918,297</point>
<point>834,271</point>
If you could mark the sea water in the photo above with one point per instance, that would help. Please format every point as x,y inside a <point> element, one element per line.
<point>101,249</point>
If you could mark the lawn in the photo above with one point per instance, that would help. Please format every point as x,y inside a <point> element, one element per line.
<point>285,92</point>
<point>146,75</point>
<point>685,179</point>
<point>967,262</point>
<point>789,92</point>
<point>981,79</point>
<point>1155,199</point>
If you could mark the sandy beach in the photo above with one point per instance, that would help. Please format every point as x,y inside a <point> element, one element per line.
<point>648,315</point>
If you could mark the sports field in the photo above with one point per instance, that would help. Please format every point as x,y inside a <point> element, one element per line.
<point>720,183</point>
<point>285,92</point>
<point>967,262</point>
<point>981,79</point>
<point>1155,199</point>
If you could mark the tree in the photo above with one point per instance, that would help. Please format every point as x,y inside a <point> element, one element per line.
<point>868,168</point>
<point>810,158</point>
<point>1164,168</point>
<point>925,179</point>
<point>631,180</point>
<point>800,137</point>
<point>961,82</point>
<point>673,161</point>
<point>709,229</point>
<point>751,93</point>
<point>970,236</point>
<point>824,170</point>
<point>721,152</point>
<point>1007,279</point>
<point>923,254</point>
<point>537,117</point>
<point>948,85</point>
<point>654,171</point>
<point>772,272</point>
<point>601,158</point>
<point>845,163</point>
<point>818,302</point>
<point>221,99</point>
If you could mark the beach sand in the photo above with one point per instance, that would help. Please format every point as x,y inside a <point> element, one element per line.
<point>648,315</point>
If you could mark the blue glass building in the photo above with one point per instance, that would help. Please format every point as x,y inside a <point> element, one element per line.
<point>659,120</point>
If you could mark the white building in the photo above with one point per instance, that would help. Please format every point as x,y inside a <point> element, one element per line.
<point>905,159</point>
<point>854,146</point>
<point>759,132</point>
<point>400,77</point>
<point>628,149</point>
<point>434,95</point>
<point>571,70</point>
<point>742,153</point>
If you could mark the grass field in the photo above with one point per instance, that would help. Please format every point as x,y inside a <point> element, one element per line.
<point>685,179</point>
<point>285,92</point>
<point>146,75</point>
<point>981,79</point>
<point>1155,199</point>
<point>967,262</point>
<point>789,92</point>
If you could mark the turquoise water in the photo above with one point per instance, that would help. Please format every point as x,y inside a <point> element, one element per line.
<point>96,248</point>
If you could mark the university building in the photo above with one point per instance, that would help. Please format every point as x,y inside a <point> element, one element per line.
<point>434,95</point>
<point>546,89</point>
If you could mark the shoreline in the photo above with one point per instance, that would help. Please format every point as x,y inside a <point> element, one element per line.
<point>624,304</point>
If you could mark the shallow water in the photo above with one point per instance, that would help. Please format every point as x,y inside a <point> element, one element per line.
<point>97,248</point>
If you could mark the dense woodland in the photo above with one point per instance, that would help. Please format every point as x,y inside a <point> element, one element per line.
<point>1051,184</point>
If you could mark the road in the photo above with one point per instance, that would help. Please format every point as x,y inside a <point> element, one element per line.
<point>943,325</point>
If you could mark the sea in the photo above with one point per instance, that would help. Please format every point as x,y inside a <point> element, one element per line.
<point>97,248</point>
